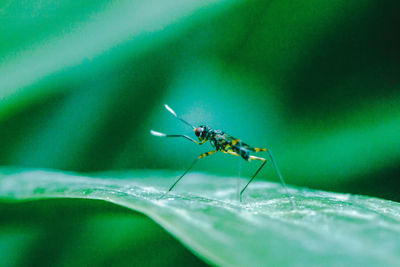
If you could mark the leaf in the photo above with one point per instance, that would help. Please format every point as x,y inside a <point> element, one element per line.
<point>90,231</point>
<point>62,36</point>
<point>205,215</point>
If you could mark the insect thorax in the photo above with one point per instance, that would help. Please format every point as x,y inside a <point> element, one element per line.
<point>218,140</point>
<point>223,142</point>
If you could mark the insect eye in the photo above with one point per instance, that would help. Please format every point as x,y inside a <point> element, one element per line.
<point>198,131</point>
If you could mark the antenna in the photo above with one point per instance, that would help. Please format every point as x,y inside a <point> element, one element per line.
<point>179,118</point>
<point>158,133</point>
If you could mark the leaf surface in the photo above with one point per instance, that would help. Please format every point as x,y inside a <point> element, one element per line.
<point>205,215</point>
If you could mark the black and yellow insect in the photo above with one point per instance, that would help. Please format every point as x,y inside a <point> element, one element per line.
<point>223,143</point>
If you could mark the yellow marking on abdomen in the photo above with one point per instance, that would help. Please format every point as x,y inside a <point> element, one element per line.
<point>235,141</point>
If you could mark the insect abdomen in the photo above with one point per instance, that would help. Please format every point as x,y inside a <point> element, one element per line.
<point>243,152</point>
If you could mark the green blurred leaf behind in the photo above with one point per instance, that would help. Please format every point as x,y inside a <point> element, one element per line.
<point>83,82</point>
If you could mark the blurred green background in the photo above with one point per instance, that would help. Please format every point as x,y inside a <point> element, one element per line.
<point>83,82</point>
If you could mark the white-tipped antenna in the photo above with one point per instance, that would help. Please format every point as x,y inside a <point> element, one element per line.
<point>170,110</point>
<point>179,118</point>
<point>157,133</point>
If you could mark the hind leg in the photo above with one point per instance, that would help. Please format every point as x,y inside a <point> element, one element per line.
<point>254,176</point>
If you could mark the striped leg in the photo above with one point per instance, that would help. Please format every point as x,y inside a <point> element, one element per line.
<point>231,153</point>
<point>257,149</point>
<point>191,166</point>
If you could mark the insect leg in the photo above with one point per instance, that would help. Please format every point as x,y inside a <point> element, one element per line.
<point>240,168</point>
<point>252,178</point>
<point>184,136</point>
<point>175,135</point>
<point>281,178</point>
<point>231,153</point>
<point>256,149</point>
<point>191,166</point>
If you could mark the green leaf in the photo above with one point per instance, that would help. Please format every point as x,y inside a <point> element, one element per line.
<point>64,35</point>
<point>204,213</point>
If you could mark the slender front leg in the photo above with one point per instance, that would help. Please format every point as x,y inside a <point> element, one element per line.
<point>185,136</point>
<point>191,166</point>
<point>176,135</point>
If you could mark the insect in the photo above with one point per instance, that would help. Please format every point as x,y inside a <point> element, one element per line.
<point>224,143</point>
